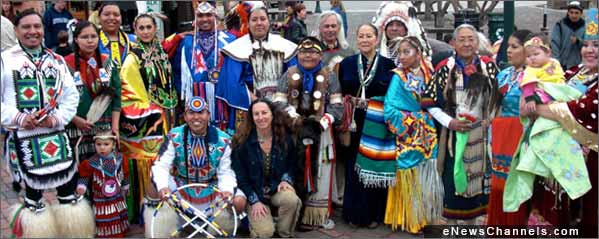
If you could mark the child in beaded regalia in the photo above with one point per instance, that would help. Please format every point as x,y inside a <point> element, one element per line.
<point>104,175</point>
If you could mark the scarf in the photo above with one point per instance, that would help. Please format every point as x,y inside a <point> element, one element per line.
<point>466,70</point>
<point>90,76</point>
<point>308,82</point>
<point>34,54</point>
<point>205,40</point>
<point>574,25</point>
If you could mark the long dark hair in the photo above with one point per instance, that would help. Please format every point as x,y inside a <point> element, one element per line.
<point>101,9</point>
<point>78,29</point>
<point>104,4</point>
<point>144,15</point>
<point>279,125</point>
<point>522,35</point>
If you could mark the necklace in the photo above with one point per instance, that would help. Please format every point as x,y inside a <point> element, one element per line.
<point>415,70</point>
<point>263,140</point>
<point>158,71</point>
<point>366,79</point>
<point>110,187</point>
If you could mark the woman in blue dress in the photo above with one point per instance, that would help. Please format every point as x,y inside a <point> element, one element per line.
<point>415,198</point>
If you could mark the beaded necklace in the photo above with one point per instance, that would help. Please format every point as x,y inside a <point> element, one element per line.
<point>158,72</point>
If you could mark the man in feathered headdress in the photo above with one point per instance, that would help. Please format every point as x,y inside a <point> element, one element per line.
<point>197,60</point>
<point>395,21</point>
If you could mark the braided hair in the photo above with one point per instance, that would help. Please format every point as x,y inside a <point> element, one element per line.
<point>78,29</point>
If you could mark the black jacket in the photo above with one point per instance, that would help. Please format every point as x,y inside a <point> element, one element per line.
<point>296,31</point>
<point>247,163</point>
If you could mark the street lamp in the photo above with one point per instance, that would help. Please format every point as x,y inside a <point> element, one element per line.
<point>317,9</point>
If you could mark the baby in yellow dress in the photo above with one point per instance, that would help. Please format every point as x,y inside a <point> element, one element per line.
<point>540,68</point>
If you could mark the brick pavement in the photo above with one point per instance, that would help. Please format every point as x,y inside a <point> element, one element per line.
<point>7,198</point>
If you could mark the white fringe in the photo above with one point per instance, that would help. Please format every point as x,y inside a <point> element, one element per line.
<point>186,79</point>
<point>372,179</point>
<point>432,190</point>
<point>268,66</point>
<point>50,183</point>
<point>51,169</point>
<point>98,107</point>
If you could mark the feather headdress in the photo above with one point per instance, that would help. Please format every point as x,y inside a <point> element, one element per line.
<point>406,13</point>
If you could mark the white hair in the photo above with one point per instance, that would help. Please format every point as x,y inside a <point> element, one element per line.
<point>340,34</point>
<point>465,26</point>
<point>484,45</point>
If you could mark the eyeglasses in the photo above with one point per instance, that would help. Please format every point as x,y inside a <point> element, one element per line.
<point>88,37</point>
<point>465,40</point>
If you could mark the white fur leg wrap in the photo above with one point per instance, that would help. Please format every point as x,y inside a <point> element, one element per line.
<point>39,224</point>
<point>75,220</point>
<point>165,223</point>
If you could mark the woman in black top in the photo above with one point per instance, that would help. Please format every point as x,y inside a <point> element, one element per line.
<point>362,77</point>
<point>264,158</point>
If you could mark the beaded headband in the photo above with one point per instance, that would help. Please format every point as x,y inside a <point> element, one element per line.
<point>309,43</point>
<point>536,41</point>
<point>206,7</point>
<point>196,104</point>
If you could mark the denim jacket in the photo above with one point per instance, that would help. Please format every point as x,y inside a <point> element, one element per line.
<point>247,163</point>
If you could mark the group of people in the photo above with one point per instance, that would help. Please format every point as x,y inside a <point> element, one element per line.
<point>291,131</point>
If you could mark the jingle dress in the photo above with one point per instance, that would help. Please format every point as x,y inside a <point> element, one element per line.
<point>148,99</point>
<point>105,174</point>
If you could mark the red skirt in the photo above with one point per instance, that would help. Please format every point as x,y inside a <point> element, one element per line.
<point>505,133</point>
<point>111,217</point>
